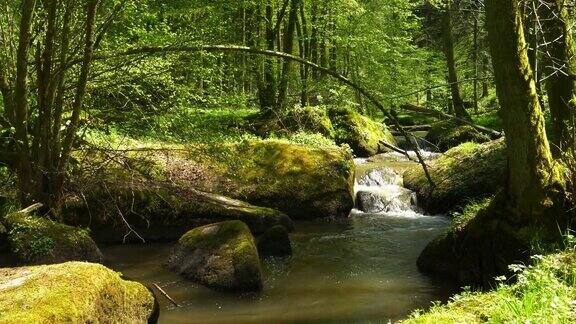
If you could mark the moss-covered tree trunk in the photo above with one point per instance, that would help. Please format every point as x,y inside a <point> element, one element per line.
<point>531,169</point>
<point>559,66</point>
<point>447,37</point>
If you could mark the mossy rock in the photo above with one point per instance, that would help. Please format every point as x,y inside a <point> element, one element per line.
<point>465,173</point>
<point>274,242</point>
<point>448,134</point>
<point>312,120</point>
<point>221,255</point>
<point>36,240</point>
<point>302,181</point>
<point>178,188</point>
<point>160,212</point>
<point>73,292</point>
<point>361,133</point>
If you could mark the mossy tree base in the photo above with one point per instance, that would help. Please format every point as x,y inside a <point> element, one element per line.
<point>483,242</point>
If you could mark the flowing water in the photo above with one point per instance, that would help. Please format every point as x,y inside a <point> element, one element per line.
<point>360,270</point>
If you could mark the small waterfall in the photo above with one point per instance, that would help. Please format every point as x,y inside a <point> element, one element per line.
<point>380,189</point>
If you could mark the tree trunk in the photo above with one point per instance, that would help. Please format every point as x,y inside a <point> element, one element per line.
<point>457,101</point>
<point>559,67</point>
<point>288,49</point>
<point>23,167</point>
<point>531,171</point>
<point>475,60</point>
<point>268,92</point>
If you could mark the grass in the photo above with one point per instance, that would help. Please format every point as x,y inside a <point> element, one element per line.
<point>542,293</point>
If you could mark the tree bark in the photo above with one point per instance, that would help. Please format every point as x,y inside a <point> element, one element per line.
<point>531,171</point>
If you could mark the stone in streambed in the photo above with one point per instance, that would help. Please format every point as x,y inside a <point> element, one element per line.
<point>384,199</point>
<point>275,242</point>
<point>221,255</point>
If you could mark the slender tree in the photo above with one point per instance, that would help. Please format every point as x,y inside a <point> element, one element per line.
<point>559,70</point>
<point>457,102</point>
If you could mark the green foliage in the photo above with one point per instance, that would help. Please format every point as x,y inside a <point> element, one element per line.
<point>542,293</point>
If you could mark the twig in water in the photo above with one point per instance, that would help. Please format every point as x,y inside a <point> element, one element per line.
<point>166,295</point>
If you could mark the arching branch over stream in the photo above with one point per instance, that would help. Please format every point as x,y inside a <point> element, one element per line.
<point>234,48</point>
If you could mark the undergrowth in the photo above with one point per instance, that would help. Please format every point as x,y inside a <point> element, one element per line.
<point>542,293</point>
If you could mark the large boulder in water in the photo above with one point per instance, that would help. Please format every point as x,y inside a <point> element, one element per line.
<point>361,133</point>
<point>302,181</point>
<point>160,193</point>
<point>34,240</point>
<point>221,255</point>
<point>73,292</point>
<point>465,173</point>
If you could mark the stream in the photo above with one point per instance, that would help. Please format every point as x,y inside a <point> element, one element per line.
<point>359,270</point>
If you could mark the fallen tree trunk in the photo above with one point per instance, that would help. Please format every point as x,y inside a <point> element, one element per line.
<point>442,115</point>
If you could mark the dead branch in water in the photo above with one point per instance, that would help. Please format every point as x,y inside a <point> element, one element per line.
<point>166,295</point>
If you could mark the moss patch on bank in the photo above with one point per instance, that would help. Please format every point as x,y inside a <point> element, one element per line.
<point>448,134</point>
<point>164,191</point>
<point>543,293</point>
<point>313,120</point>
<point>361,133</point>
<point>303,182</point>
<point>73,292</point>
<point>35,240</point>
<point>465,173</point>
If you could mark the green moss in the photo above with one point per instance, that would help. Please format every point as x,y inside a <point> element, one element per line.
<point>448,134</point>
<point>465,173</point>
<point>298,119</point>
<point>361,133</point>
<point>71,292</point>
<point>304,182</point>
<point>542,293</point>
<point>37,240</point>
